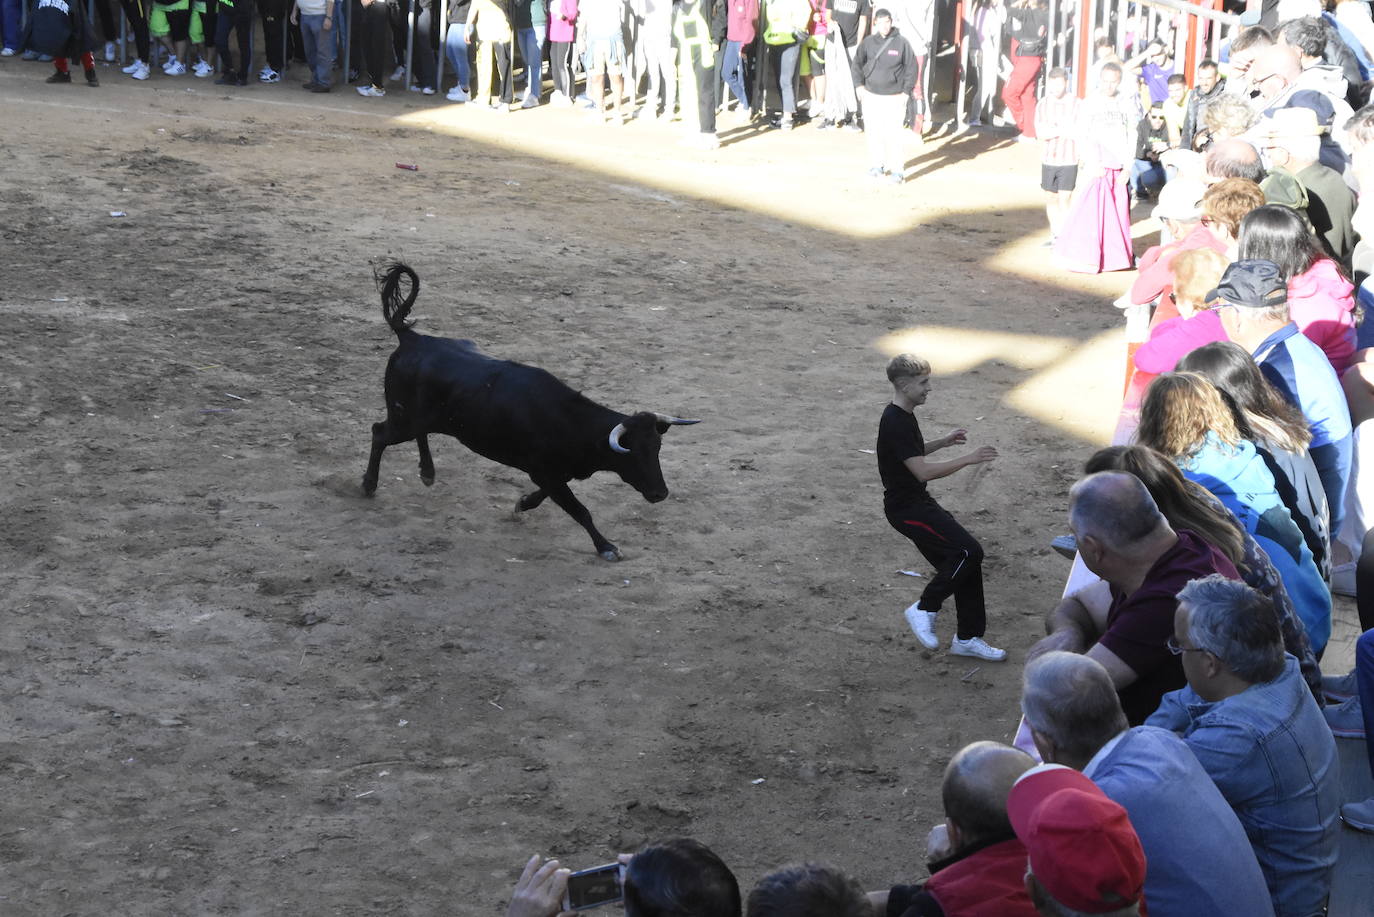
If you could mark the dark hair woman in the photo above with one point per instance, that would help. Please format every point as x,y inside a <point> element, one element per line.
<point>1183,417</point>
<point>1280,434</point>
<point>1190,506</point>
<point>1320,296</point>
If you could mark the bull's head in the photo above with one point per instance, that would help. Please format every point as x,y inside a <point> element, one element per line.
<point>636,442</point>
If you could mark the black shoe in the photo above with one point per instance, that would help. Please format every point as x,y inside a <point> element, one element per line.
<point>227,79</point>
<point>91,78</point>
<point>59,77</point>
<point>319,88</point>
<point>310,86</point>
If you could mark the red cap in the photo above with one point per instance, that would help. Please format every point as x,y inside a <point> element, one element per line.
<point>1082,847</point>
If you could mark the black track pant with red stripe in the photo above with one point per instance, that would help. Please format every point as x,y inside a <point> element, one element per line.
<point>957,558</point>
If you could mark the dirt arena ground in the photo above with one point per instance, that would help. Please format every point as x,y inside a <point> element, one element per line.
<point>236,686</point>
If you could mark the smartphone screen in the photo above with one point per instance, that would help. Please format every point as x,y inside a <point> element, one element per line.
<point>594,887</point>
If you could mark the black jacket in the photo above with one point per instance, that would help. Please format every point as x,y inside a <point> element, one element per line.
<point>885,66</point>
<point>59,28</point>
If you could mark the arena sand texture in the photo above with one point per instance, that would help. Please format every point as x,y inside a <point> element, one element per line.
<point>235,686</point>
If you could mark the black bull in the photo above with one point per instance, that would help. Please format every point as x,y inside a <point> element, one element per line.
<point>514,414</point>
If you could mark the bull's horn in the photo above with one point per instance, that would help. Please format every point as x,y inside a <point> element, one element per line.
<point>614,438</point>
<point>674,421</point>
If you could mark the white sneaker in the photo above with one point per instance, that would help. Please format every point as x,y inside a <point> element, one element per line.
<point>457,94</point>
<point>202,69</point>
<point>372,92</point>
<point>6,52</point>
<point>136,65</point>
<point>141,73</point>
<point>109,51</point>
<point>977,648</point>
<point>922,624</point>
<point>530,102</point>
<point>428,90</point>
<point>174,68</point>
<point>398,75</point>
<point>268,75</point>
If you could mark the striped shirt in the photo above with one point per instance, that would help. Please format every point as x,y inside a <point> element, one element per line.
<point>1055,121</point>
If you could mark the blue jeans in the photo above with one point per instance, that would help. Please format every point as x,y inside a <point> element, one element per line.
<point>340,37</point>
<point>1364,679</point>
<point>732,71</point>
<point>782,64</point>
<point>456,47</point>
<point>319,47</point>
<point>1144,172</point>
<point>9,23</point>
<point>532,50</point>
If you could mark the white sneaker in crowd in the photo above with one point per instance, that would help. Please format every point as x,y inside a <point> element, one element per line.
<point>137,64</point>
<point>372,92</point>
<point>457,94</point>
<point>976,647</point>
<point>174,68</point>
<point>531,101</point>
<point>202,69</point>
<point>141,72</point>
<point>6,52</point>
<point>398,74</point>
<point>109,51</point>
<point>268,75</point>
<point>428,90</point>
<point>922,624</point>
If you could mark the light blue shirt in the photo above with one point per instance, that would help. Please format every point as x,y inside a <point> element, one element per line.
<point>1270,753</point>
<point>1199,862</point>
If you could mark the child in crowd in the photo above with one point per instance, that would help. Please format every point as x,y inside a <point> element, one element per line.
<point>60,28</point>
<point>1056,119</point>
<point>911,510</point>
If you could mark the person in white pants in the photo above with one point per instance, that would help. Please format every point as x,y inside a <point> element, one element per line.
<point>884,72</point>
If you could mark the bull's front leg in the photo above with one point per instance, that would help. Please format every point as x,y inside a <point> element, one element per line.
<point>530,500</point>
<point>563,496</point>
<point>426,463</point>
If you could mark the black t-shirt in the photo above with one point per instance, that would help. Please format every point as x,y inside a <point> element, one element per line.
<point>847,14</point>
<point>899,438</point>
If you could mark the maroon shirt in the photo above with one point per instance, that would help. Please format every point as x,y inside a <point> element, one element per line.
<point>1141,623</point>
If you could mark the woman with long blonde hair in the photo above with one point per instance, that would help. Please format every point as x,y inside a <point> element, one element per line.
<point>1184,417</point>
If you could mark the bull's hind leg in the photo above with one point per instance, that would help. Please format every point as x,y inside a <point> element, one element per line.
<point>383,435</point>
<point>563,496</point>
<point>426,463</point>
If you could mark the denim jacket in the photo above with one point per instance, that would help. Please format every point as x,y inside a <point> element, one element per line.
<point>1270,752</point>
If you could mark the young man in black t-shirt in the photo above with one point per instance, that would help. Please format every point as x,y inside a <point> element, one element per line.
<point>955,554</point>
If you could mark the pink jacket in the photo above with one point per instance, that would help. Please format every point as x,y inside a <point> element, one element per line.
<point>1173,340</point>
<point>565,29</point>
<point>1321,303</point>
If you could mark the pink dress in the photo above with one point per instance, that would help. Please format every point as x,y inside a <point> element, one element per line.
<point>1097,234</point>
<point>1322,303</point>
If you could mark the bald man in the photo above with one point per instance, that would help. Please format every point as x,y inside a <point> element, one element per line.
<point>976,863</point>
<point>1201,862</point>
<point>1125,621</point>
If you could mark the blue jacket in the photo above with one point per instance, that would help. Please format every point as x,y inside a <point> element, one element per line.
<point>1239,478</point>
<point>1200,863</point>
<point>1270,753</point>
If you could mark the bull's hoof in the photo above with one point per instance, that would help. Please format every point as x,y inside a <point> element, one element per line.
<point>427,480</point>
<point>611,552</point>
<point>369,487</point>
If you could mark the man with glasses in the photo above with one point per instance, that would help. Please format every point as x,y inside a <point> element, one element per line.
<point>1124,621</point>
<point>1188,831</point>
<point>1251,721</point>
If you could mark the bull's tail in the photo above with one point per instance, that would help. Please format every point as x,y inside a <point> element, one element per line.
<point>395,304</point>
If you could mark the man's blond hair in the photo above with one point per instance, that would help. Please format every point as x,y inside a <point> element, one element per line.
<point>906,365</point>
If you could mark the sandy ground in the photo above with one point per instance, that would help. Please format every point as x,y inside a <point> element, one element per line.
<point>236,686</point>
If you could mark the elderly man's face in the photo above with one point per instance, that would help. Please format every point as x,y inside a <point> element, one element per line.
<point>1207,79</point>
